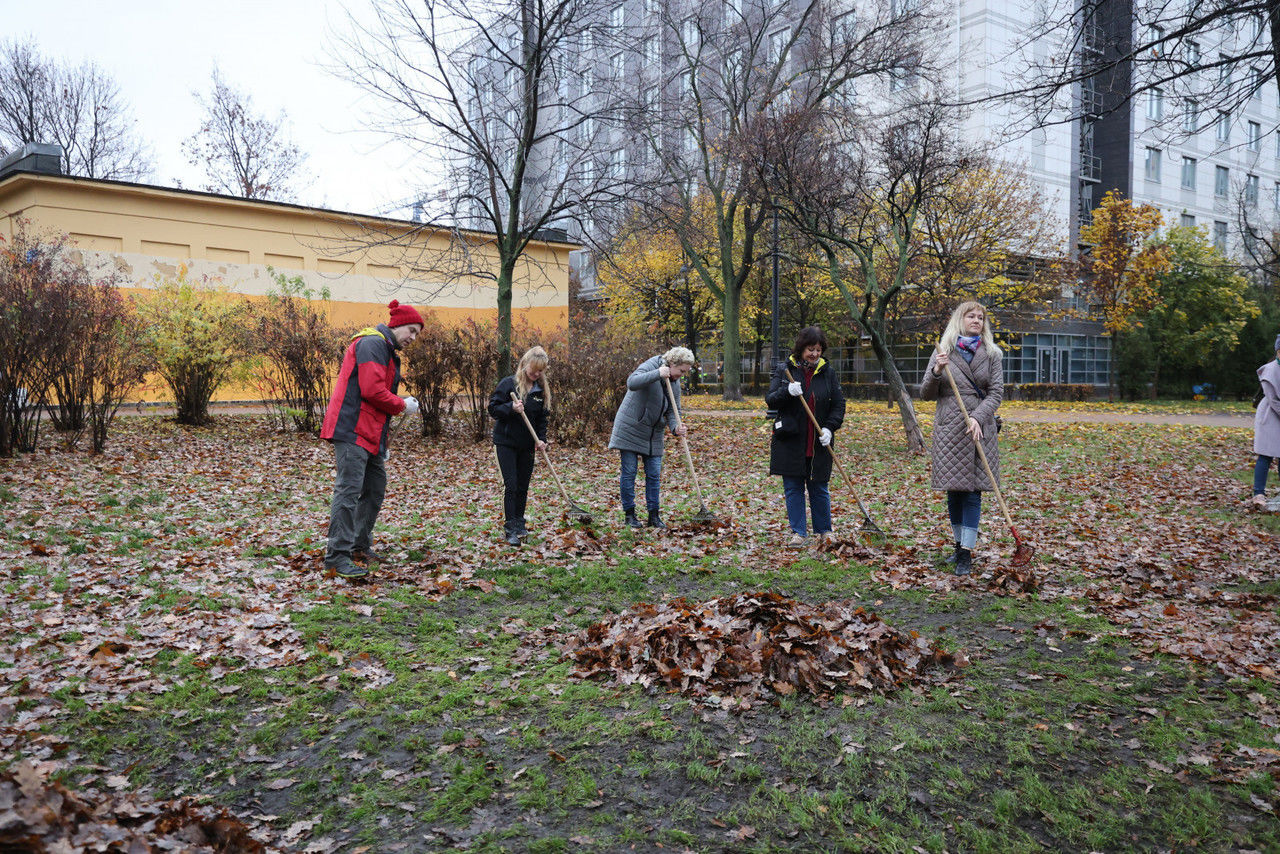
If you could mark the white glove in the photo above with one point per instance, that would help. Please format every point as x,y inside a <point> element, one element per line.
<point>824,437</point>
<point>411,405</point>
<point>664,371</point>
<point>795,389</point>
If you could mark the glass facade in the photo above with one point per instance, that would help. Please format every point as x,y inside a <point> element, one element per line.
<point>1029,357</point>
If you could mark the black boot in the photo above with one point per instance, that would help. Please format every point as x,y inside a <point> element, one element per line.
<point>522,528</point>
<point>655,521</point>
<point>632,520</point>
<point>510,534</point>
<point>964,561</point>
<point>949,560</point>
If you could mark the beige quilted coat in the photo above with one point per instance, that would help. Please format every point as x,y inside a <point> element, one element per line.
<point>956,464</point>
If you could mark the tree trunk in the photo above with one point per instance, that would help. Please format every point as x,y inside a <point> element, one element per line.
<point>732,305</point>
<point>504,319</point>
<point>898,392</point>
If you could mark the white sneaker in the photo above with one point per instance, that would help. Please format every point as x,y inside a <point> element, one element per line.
<point>796,540</point>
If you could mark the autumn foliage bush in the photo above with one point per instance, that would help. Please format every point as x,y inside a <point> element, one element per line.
<point>68,344</point>
<point>196,333</point>
<point>1052,391</point>
<point>589,374</point>
<point>455,369</point>
<point>297,349</point>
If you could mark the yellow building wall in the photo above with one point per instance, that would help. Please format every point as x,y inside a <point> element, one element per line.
<point>145,233</point>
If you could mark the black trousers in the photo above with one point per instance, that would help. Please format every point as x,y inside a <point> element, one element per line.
<point>516,467</point>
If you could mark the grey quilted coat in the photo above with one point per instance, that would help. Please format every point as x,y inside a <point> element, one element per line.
<point>956,465</point>
<point>638,426</point>
<point>1266,421</point>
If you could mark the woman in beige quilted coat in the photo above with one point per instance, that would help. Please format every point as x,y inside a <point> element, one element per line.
<point>975,362</point>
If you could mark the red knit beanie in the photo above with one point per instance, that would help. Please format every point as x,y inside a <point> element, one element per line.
<point>403,315</point>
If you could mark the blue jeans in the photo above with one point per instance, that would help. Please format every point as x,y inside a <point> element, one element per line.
<point>793,490</point>
<point>627,480</point>
<point>965,512</point>
<point>1261,469</point>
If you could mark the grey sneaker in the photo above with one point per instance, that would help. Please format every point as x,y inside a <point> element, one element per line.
<point>367,556</point>
<point>344,568</point>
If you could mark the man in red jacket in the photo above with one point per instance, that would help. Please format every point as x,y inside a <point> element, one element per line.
<point>358,423</point>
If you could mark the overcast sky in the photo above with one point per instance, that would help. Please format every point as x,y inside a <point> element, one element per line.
<point>160,51</point>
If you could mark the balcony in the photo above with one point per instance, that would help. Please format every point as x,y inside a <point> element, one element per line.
<point>1091,40</point>
<point>1091,100</point>
<point>1090,167</point>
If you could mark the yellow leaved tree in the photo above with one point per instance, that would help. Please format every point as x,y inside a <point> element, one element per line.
<point>1123,266</point>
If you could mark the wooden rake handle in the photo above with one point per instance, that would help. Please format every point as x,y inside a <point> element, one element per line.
<point>515,398</point>
<point>830,450</point>
<point>982,454</point>
<point>684,442</point>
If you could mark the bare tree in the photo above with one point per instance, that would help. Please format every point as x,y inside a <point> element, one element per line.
<point>1207,55</point>
<point>728,69</point>
<point>80,109</point>
<point>859,191</point>
<point>509,121</point>
<point>241,152</point>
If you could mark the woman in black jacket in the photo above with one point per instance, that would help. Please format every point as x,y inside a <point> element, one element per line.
<point>512,444</point>
<point>794,451</point>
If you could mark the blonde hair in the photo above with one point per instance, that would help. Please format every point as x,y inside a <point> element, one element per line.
<point>955,328</point>
<point>678,356</point>
<point>535,355</point>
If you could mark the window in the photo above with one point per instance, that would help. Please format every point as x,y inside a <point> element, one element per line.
<point>1275,199</point>
<point>649,50</point>
<point>1187,220</point>
<point>1224,127</point>
<point>842,27</point>
<point>1224,70</point>
<point>652,7</point>
<point>1193,54</point>
<point>1221,181</point>
<point>616,17</point>
<point>1155,104</point>
<point>1153,165</point>
<point>1191,118</point>
<point>617,66</point>
<point>1155,38</point>
<point>1220,235</point>
<point>1255,83</point>
<point>1255,136</point>
<point>778,46</point>
<point>1188,173</point>
<point>1251,189</point>
<point>617,164</point>
<point>690,35</point>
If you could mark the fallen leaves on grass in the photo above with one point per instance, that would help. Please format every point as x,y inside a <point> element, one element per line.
<point>752,647</point>
<point>39,814</point>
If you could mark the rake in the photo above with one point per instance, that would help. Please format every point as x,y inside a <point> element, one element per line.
<point>868,526</point>
<point>573,509</point>
<point>1022,552</point>
<point>703,514</point>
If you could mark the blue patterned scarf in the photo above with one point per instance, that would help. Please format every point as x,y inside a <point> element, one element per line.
<point>968,346</point>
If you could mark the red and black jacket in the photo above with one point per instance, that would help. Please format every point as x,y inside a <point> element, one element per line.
<point>364,395</point>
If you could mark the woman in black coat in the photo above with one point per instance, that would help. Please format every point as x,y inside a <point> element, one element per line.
<point>512,444</point>
<point>794,451</point>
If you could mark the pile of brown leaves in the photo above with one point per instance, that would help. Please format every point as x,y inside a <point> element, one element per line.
<point>752,647</point>
<point>38,814</point>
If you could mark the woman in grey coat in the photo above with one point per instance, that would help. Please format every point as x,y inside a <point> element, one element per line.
<point>975,361</point>
<point>1266,427</point>
<point>638,429</point>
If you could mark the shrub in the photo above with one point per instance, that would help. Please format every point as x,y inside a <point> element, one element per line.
<point>589,375</point>
<point>195,332</point>
<point>1051,391</point>
<point>432,366</point>
<point>116,363</point>
<point>296,347</point>
<point>38,282</point>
